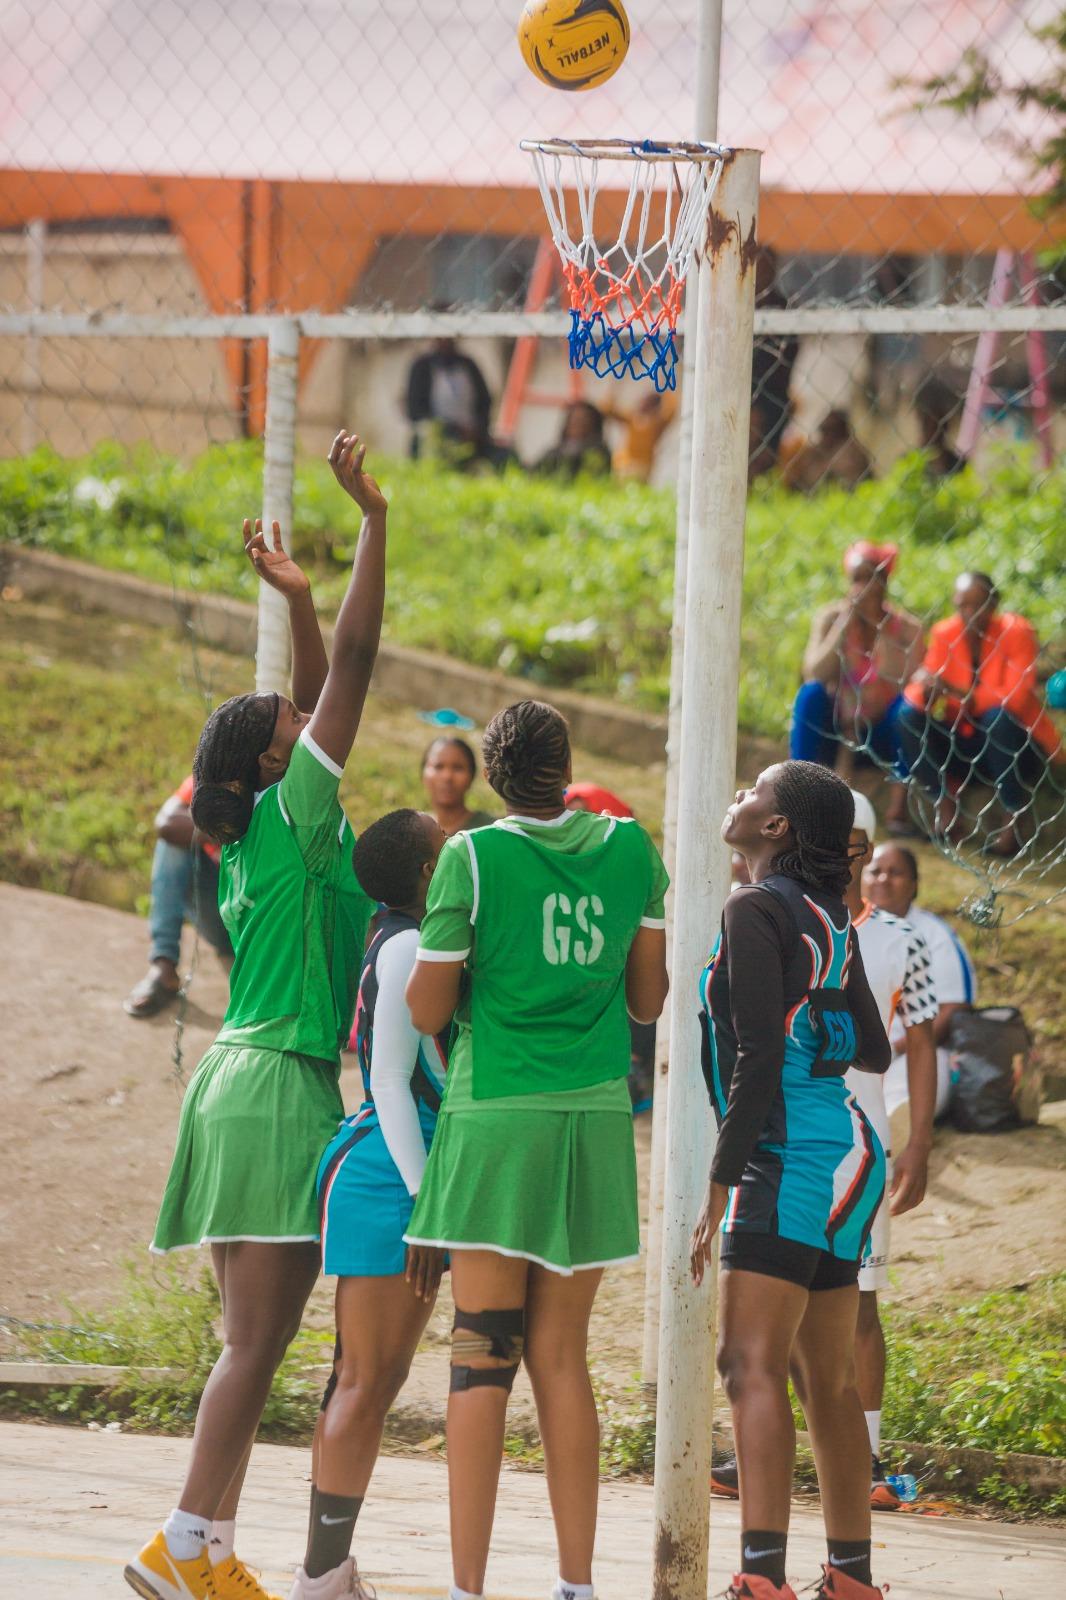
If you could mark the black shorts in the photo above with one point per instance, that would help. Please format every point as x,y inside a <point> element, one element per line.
<point>773,1257</point>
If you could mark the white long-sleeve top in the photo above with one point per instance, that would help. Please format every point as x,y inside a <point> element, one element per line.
<point>396,1052</point>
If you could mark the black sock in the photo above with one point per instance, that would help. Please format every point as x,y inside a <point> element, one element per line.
<point>763,1553</point>
<point>332,1531</point>
<point>852,1557</point>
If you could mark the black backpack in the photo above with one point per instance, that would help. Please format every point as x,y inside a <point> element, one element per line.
<point>996,1082</point>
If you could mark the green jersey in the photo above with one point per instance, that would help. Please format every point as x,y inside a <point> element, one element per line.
<point>296,915</point>
<point>544,914</point>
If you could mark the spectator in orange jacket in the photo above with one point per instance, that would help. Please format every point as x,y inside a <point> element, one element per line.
<point>973,706</point>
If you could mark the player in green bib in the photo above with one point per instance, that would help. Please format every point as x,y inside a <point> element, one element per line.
<point>265,1098</point>
<point>540,931</point>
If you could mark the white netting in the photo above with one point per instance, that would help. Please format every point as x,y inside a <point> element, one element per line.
<point>625,297</point>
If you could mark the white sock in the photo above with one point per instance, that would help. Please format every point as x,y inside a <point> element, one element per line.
<point>873,1423</point>
<point>186,1534</point>
<point>572,1591</point>
<point>223,1537</point>
<point>462,1594</point>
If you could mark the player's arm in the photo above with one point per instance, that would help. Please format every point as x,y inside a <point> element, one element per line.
<point>754,954</point>
<point>393,1059</point>
<point>647,983</point>
<point>433,992</point>
<point>875,1051</point>
<point>918,1005</point>
<point>445,939</point>
<point>276,567</point>
<point>336,719</point>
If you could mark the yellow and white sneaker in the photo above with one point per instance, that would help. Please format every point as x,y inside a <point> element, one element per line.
<point>235,1581</point>
<point>155,1575</point>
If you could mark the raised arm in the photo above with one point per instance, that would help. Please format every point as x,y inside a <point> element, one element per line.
<point>336,719</point>
<point>276,567</point>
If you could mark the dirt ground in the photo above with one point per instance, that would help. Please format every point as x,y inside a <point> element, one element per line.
<point>91,1101</point>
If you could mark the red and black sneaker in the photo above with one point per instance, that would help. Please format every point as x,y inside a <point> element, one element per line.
<point>725,1479</point>
<point>836,1585</point>
<point>750,1586</point>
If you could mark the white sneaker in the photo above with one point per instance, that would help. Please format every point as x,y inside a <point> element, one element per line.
<point>343,1583</point>
<point>562,1591</point>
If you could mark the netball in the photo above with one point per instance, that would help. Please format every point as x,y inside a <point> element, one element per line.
<point>574,44</point>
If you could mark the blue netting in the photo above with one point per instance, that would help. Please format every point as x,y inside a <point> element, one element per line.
<point>623,352</point>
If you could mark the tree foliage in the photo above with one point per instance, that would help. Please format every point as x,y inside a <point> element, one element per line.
<point>974,83</point>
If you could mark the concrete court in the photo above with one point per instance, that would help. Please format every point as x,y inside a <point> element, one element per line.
<point>74,1504</point>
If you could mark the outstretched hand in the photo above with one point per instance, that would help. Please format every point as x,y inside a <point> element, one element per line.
<point>346,457</point>
<point>274,563</point>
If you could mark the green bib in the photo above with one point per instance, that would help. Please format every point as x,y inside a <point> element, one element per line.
<point>298,929</point>
<point>552,933</point>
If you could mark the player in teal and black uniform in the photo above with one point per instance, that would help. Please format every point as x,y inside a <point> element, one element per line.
<point>367,1180</point>
<point>552,922</point>
<point>265,1097</point>
<point>798,1171</point>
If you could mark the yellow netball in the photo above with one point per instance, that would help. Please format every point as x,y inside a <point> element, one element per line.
<point>574,44</point>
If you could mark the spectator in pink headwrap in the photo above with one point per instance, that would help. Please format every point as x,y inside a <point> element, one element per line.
<point>861,654</point>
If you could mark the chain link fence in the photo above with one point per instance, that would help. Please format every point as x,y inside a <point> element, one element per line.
<point>179,180</point>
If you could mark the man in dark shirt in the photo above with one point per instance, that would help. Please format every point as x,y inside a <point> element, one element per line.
<point>447,388</point>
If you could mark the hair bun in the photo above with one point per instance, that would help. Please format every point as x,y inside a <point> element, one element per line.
<point>221,812</point>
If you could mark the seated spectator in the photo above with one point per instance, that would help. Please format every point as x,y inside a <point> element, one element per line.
<point>590,797</point>
<point>973,710</point>
<point>184,889</point>
<point>644,429</point>
<point>834,455</point>
<point>890,882</point>
<point>581,446</point>
<point>773,358</point>
<point>861,654</point>
<point>449,767</point>
<point>447,392</point>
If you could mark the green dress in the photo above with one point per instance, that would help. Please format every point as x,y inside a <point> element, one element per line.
<point>533,1154</point>
<point>265,1099</point>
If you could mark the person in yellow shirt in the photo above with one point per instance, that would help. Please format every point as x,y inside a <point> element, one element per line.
<point>644,429</point>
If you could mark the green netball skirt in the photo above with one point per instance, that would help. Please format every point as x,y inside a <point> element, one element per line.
<point>253,1125</point>
<point>557,1187</point>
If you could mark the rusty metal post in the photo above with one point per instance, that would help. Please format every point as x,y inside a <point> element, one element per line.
<point>706,775</point>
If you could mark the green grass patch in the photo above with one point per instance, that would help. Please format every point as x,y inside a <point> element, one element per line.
<point>99,719</point>
<point>989,1374</point>
<point>564,584</point>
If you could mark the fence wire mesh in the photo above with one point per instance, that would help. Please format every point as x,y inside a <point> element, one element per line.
<point>167,159</point>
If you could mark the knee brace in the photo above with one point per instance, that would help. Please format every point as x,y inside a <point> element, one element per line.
<point>499,1334</point>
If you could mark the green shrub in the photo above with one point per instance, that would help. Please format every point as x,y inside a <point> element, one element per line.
<point>563,584</point>
<point>990,1374</point>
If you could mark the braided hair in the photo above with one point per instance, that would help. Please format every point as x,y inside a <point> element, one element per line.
<point>226,768</point>
<point>820,813</point>
<point>389,856</point>
<point>526,750</point>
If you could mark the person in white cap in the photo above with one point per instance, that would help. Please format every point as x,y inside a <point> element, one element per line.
<point>900,971</point>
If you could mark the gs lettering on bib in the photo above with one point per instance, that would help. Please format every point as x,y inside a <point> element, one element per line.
<point>561,942</point>
<point>551,937</point>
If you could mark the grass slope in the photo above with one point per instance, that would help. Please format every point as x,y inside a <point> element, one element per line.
<point>565,584</point>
